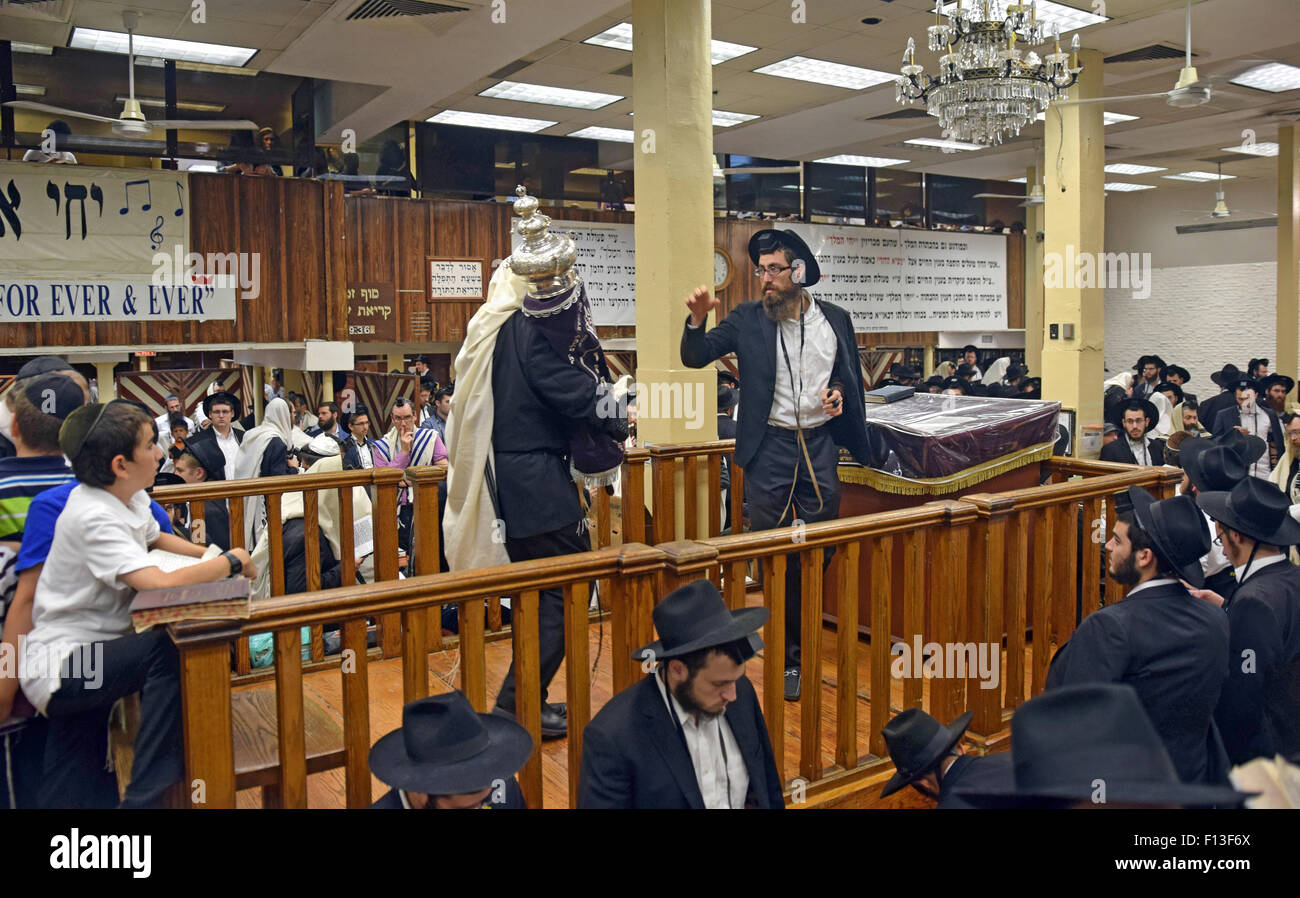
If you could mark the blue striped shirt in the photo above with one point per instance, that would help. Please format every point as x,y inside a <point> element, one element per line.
<point>21,480</point>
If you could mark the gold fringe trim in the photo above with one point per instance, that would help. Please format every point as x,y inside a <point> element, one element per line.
<point>937,486</point>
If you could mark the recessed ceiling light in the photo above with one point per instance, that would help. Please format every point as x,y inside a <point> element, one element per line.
<point>30,90</point>
<point>871,20</point>
<point>832,74</point>
<point>156,62</point>
<point>24,47</point>
<point>594,133</point>
<point>1273,77</point>
<point>727,119</point>
<point>485,120</point>
<point>1128,168</point>
<point>1256,149</point>
<point>1067,18</point>
<point>944,144</point>
<point>1125,188</point>
<point>1107,118</point>
<point>1018,181</point>
<point>620,38</point>
<point>551,96</point>
<point>165,47</point>
<point>868,161</point>
<point>1199,176</point>
<point>187,105</point>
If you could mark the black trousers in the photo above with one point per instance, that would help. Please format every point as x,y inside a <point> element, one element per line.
<point>76,746</point>
<point>768,480</point>
<point>550,624</point>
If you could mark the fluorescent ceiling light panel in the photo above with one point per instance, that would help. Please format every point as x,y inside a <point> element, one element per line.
<point>1258,149</point>
<point>1128,168</point>
<point>551,96</point>
<point>1107,118</point>
<point>485,120</point>
<point>868,161</point>
<point>187,105</point>
<point>594,133</point>
<point>832,74</point>
<point>29,90</point>
<point>1274,77</point>
<point>944,144</point>
<point>1198,176</point>
<point>165,47</point>
<point>727,119</point>
<point>38,49</point>
<point>620,38</point>
<point>1066,17</point>
<point>1019,181</point>
<point>1125,188</point>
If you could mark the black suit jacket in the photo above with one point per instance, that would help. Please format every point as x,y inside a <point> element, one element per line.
<point>1259,711</point>
<point>540,398</point>
<point>751,335</point>
<point>633,756</point>
<point>1231,417</point>
<point>514,799</point>
<point>1119,451</point>
<point>1208,410</point>
<point>991,772</point>
<point>1171,648</point>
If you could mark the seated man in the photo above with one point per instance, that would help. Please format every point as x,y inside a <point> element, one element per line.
<point>359,450</point>
<point>930,758</point>
<point>202,462</point>
<point>447,757</point>
<point>1136,418</point>
<point>691,733</point>
<point>82,652</point>
<point>1173,650</point>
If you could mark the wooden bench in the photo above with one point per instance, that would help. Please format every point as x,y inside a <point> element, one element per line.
<point>257,749</point>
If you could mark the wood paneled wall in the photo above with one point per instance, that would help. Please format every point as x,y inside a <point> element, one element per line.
<point>289,222</point>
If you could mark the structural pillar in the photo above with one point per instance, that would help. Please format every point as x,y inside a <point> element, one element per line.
<point>672,85</point>
<point>1074,225</point>
<point>105,381</point>
<point>396,362</point>
<point>258,405</point>
<point>1288,251</point>
<point>1034,330</point>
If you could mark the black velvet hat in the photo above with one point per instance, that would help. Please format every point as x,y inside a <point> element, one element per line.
<point>767,241</point>
<point>1171,370</point>
<point>1167,387</point>
<point>917,742</point>
<point>235,404</point>
<point>445,748</point>
<point>1176,528</point>
<point>1219,463</point>
<point>694,617</point>
<point>1146,406</point>
<point>204,447</point>
<point>1256,508</point>
<point>1225,375</point>
<point>1272,379</point>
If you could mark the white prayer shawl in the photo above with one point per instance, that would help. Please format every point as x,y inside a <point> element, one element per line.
<point>1165,424</point>
<point>997,371</point>
<point>1123,379</point>
<point>470,524</point>
<point>278,422</point>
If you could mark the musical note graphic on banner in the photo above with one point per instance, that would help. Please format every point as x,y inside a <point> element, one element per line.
<point>148,192</point>
<point>155,235</point>
<point>180,200</point>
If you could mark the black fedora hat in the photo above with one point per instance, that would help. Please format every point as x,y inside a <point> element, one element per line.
<point>1175,526</point>
<point>1242,382</point>
<point>694,617</point>
<point>204,448</point>
<point>1272,379</point>
<point>167,478</point>
<point>727,396</point>
<point>445,748</point>
<point>1211,465</point>
<point>1256,508</point>
<point>235,404</point>
<point>955,383</point>
<point>1225,375</point>
<point>1146,406</point>
<point>1253,363</point>
<point>768,241</point>
<point>1144,360</point>
<point>903,372</point>
<point>916,743</point>
<point>1066,740</point>
<point>1166,387</point>
<point>1178,370</point>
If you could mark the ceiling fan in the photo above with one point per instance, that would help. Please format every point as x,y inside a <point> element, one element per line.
<point>132,123</point>
<point>1222,218</point>
<point>1035,196</point>
<point>1189,91</point>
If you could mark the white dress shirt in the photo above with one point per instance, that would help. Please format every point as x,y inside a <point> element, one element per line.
<point>1255,565</point>
<point>364,455</point>
<point>229,447</point>
<point>1255,422</point>
<point>811,359</point>
<point>1150,584</point>
<point>1141,454</point>
<point>715,755</point>
<point>1214,560</point>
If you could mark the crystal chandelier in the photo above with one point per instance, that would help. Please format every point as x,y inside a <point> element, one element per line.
<point>987,88</point>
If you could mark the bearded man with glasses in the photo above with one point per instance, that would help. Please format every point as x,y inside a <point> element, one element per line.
<point>798,359</point>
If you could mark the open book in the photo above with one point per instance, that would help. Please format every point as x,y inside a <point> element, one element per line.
<point>215,600</point>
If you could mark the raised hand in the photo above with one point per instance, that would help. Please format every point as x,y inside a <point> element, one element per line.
<point>701,302</point>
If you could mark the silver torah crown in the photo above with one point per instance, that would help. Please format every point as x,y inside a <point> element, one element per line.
<point>542,258</point>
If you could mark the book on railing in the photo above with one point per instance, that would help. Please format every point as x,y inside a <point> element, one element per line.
<point>363,536</point>
<point>215,600</point>
<point>171,561</point>
<point>888,394</point>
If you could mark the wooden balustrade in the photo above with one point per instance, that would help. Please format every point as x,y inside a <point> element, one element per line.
<point>984,569</point>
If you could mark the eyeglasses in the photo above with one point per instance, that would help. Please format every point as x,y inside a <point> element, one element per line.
<point>773,270</point>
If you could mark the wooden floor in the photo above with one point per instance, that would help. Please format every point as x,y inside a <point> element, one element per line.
<point>326,790</point>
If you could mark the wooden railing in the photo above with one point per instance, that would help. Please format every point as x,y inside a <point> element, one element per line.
<point>985,569</point>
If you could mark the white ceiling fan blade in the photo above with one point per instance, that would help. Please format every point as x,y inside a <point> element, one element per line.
<point>204,125</point>
<point>999,196</point>
<point>1110,99</point>
<point>57,110</point>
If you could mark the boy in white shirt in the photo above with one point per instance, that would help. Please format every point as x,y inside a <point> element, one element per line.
<point>82,653</point>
